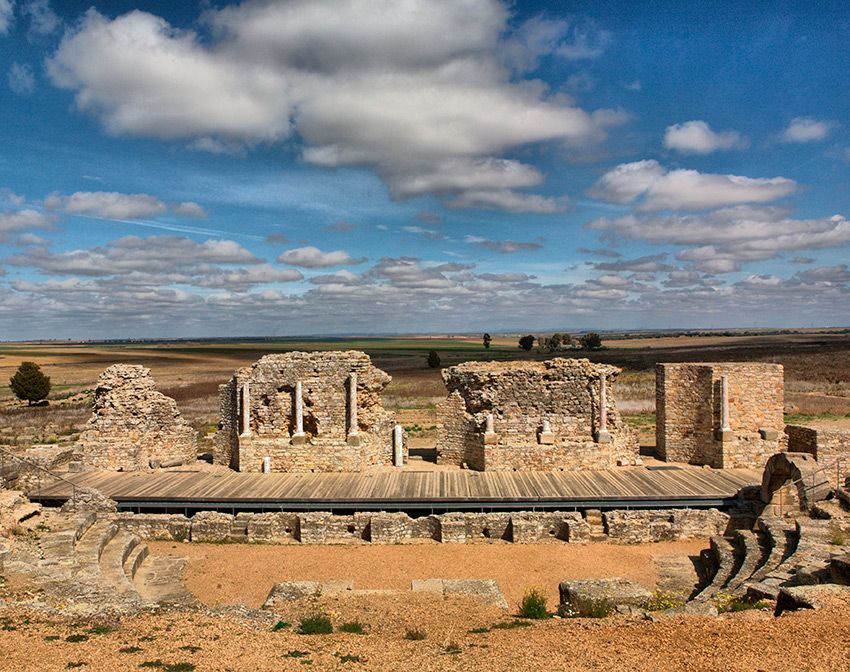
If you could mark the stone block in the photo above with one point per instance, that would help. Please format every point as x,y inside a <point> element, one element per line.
<point>768,434</point>
<point>583,596</point>
<point>211,527</point>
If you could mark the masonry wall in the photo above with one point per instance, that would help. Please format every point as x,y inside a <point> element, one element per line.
<point>827,445</point>
<point>226,440</point>
<point>133,425</point>
<point>688,414</point>
<point>520,396</point>
<point>326,445</point>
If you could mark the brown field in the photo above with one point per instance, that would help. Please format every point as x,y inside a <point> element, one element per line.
<point>817,370</point>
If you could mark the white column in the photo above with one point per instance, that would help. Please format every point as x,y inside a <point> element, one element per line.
<point>299,410</point>
<point>246,409</point>
<point>267,464</point>
<point>603,405</point>
<point>547,427</point>
<point>724,404</point>
<point>398,446</point>
<point>352,404</point>
<point>489,424</point>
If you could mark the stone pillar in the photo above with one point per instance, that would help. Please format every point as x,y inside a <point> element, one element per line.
<point>725,431</point>
<point>298,436</point>
<point>267,464</point>
<point>246,409</point>
<point>398,446</point>
<point>490,436</point>
<point>546,437</point>
<point>603,435</point>
<point>353,436</point>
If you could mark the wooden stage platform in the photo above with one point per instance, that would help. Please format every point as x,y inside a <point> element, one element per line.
<point>404,490</point>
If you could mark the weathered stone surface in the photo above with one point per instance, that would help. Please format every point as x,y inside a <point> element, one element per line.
<point>522,397</point>
<point>325,444</point>
<point>840,570</point>
<point>787,483</point>
<point>211,526</point>
<point>483,590</point>
<point>826,444</point>
<point>290,591</point>
<point>156,526</point>
<point>581,596</point>
<point>89,499</point>
<point>688,411</point>
<point>808,597</point>
<point>637,527</point>
<point>133,424</point>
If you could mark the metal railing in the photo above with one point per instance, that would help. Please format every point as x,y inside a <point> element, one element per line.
<point>815,483</point>
<point>5,454</point>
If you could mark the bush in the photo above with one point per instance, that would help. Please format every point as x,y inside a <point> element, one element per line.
<point>527,342</point>
<point>487,339</point>
<point>415,635</point>
<point>433,359</point>
<point>29,383</point>
<point>591,341</point>
<point>533,605</point>
<point>353,627</point>
<point>315,625</point>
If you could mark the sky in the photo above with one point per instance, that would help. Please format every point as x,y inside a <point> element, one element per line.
<point>299,167</point>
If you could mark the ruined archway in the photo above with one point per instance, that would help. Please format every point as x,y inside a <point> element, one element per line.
<point>792,482</point>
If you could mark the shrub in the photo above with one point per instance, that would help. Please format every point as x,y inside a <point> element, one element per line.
<point>353,627</point>
<point>510,625</point>
<point>487,339</point>
<point>315,625</point>
<point>726,602</point>
<point>433,359</point>
<point>527,342</point>
<point>29,383</point>
<point>280,625</point>
<point>415,635</point>
<point>591,341</point>
<point>661,600</point>
<point>533,605</point>
<point>836,537</point>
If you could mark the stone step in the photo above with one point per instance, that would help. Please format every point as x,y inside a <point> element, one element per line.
<point>722,556</point>
<point>159,580</point>
<point>137,556</point>
<point>90,547</point>
<point>24,511</point>
<point>750,557</point>
<point>112,560</point>
<point>781,539</point>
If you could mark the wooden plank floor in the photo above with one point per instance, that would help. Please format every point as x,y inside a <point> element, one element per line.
<point>626,483</point>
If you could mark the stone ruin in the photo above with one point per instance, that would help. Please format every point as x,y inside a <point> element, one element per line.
<point>308,411</point>
<point>724,416</point>
<point>134,426</point>
<point>554,415</point>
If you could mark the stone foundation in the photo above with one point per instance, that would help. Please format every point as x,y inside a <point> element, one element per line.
<point>533,416</point>
<point>690,422</point>
<point>134,426</point>
<point>299,410</point>
<point>523,527</point>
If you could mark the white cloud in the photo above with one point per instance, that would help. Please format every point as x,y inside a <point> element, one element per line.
<point>43,20</point>
<point>313,257</point>
<point>190,209</point>
<point>108,204</point>
<point>7,15</point>
<point>586,42</point>
<point>806,129</point>
<point>508,200</point>
<point>418,91</point>
<point>503,246</point>
<point>22,220</point>
<point>685,189</point>
<point>697,137</point>
<point>21,79</point>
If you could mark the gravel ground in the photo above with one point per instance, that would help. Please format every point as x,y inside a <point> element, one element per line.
<point>745,642</point>
<point>244,574</point>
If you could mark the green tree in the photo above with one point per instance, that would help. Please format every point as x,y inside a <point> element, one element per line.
<point>527,342</point>
<point>553,343</point>
<point>591,341</point>
<point>433,359</point>
<point>29,383</point>
<point>487,339</point>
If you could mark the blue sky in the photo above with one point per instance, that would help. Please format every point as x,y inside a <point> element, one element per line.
<point>325,167</point>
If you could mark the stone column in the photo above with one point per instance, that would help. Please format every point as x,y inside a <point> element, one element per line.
<point>398,446</point>
<point>603,435</point>
<point>353,436</point>
<point>490,436</point>
<point>246,409</point>
<point>725,432</point>
<point>546,437</point>
<point>298,436</point>
<point>267,465</point>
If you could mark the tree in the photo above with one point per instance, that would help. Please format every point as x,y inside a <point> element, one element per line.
<point>487,339</point>
<point>29,383</point>
<point>433,359</point>
<point>527,342</point>
<point>591,341</point>
<point>553,343</point>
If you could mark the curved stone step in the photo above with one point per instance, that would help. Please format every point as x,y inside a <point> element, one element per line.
<point>722,555</point>
<point>112,560</point>
<point>137,556</point>
<point>751,554</point>
<point>782,541</point>
<point>159,579</point>
<point>90,547</point>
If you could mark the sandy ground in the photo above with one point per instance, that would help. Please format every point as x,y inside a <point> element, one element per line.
<point>241,573</point>
<point>744,642</point>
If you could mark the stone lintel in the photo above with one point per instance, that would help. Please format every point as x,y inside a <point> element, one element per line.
<point>768,434</point>
<point>546,438</point>
<point>724,435</point>
<point>298,439</point>
<point>491,438</point>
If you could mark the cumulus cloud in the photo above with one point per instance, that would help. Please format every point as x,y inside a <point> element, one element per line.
<point>190,209</point>
<point>115,205</point>
<point>647,264</point>
<point>313,257</point>
<point>43,20</point>
<point>21,79</point>
<point>502,246</point>
<point>806,129</point>
<point>510,201</point>
<point>600,252</point>
<point>417,91</point>
<point>21,220</point>
<point>697,137</point>
<point>7,15</point>
<point>685,189</point>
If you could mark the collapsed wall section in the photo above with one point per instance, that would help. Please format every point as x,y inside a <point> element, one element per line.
<point>723,415</point>
<point>133,426</point>
<point>553,415</point>
<point>306,411</point>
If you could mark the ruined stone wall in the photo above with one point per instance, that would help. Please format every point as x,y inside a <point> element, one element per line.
<point>688,414</point>
<point>327,443</point>
<point>133,425</point>
<point>521,396</point>
<point>226,440</point>
<point>827,445</point>
<point>524,527</point>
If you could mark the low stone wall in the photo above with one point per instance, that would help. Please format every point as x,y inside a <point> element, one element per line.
<point>523,527</point>
<point>827,445</point>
